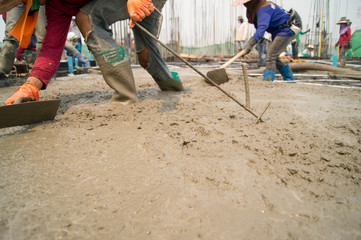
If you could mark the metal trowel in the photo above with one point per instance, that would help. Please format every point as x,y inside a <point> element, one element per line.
<point>28,113</point>
<point>219,75</point>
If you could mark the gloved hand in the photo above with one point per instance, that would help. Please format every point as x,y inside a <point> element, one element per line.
<point>27,92</point>
<point>82,59</point>
<point>139,9</point>
<point>247,49</point>
<point>336,45</point>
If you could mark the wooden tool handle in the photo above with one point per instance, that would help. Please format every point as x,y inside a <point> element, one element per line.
<point>240,54</point>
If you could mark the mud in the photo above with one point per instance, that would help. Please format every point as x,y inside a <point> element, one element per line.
<point>189,165</point>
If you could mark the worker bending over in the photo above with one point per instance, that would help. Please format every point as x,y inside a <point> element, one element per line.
<point>267,16</point>
<point>93,18</point>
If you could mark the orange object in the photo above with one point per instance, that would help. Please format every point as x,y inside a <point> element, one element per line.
<point>27,91</point>
<point>24,27</point>
<point>139,9</point>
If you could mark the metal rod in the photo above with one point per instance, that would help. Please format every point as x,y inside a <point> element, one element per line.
<point>160,21</point>
<point>195,69</point>
<point>260,117</point>
<point>320,44</point>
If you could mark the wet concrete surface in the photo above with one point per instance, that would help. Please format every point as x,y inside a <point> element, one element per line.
<point>185,165</point>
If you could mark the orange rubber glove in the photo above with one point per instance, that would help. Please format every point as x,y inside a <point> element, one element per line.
<point>27,92</point>
<point>139,9</point>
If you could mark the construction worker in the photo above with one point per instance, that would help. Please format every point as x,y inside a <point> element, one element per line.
<point>73,48</point>
<point>93,18</point>
<point>11,44</point>
<point>241,33</point>
<point>267,16</point>
<point>296,42</point>
<point>309,51</point>
<point>344,43</point>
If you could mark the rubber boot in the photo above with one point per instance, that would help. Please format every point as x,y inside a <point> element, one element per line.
<point>115,68</point>
<point>7,57</point>
<point>170,85</point>
<point>287,73</point>
<point>173,84</point>
<point>268,75</point>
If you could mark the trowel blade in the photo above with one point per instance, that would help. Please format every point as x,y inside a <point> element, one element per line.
<point>28,113</point>
<point>218,76</point>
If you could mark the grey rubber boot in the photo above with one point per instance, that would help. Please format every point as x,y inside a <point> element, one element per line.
<point>7,57</point>
<point>114,66</point>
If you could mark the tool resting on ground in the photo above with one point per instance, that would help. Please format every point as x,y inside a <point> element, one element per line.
<point>259,118</point>
<point>28,113</point>
<point>220,75</point>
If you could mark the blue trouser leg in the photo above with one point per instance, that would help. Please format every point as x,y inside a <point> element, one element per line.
<point>156,65</point>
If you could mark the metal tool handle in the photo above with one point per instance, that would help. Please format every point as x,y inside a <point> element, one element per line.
<point>196,70</point>
<point>160,21</point>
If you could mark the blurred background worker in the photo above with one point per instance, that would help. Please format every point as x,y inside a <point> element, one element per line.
<point>344,43</point>
<point>11,44</point>
<point>295,44</point>
<point>309,51</point>
<point>73,47</point>
<point>267,16</point>
<point>241,33</point>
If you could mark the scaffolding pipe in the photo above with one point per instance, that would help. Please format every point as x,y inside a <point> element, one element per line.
<point>321,29</point>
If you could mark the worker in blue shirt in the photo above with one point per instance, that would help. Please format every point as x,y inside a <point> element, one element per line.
<point>267,16</point>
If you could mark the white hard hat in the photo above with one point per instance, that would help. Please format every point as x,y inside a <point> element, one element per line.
<point>71,36</point>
